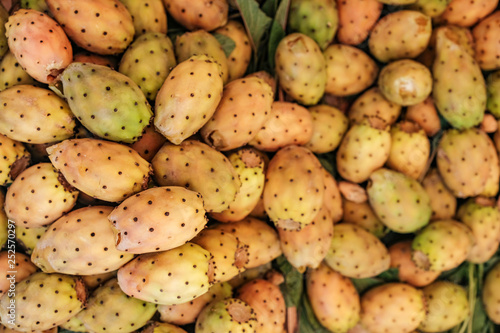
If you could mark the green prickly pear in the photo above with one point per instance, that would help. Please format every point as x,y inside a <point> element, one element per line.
<point>199,14</point>
<point>12,72</point>
<point>147,16</point>
<point>432,8</point>
<point>229,315</point>
<point>40,5</point>
<point>493,93</point>
<point>74,324</point>
<point>490,294</point>
<point>14,158</point>
<point>239,58</point>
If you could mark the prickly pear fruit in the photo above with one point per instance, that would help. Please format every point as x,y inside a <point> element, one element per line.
<point>461,105</point>
<point>95,280</point>
<point>74,324</point>
<point>97,59</point>
<point>157,327</point>
<point>392,308</point>
<point>149,143</point>
<point>39,196</point>
<point>493,93</point>
<point>4,17</point>
<point>333,298</point>
<point>4,221</point>
<point>12,73</point>
<point>148,61</point>
<point>19,264</point>
<point>443,202</point>
<point>432,8</point>
<point>492,182</point>
<point>200,168</point>
<point>329,126</point>
<point>34,115</point>
<point>349,70</point>
<point>486,42</point>
<point>372,103</point>
<point>185,102</point>
<point>447,306</point>
<point>99,26</point>
<point>40,5</point>
<point>14,158</point>
<point>147,16</point>
<point>399,201</point>
<point>465,13</point>
<point>91,250</point>
<point>39,44</point>
<point>109,309</point>
<point>288,124</point>
<point>408,272</point>
<point>482,216</point>
<point>229,315</point>
<point>317,19</point>
<point>169,277</point>
<point>199,14</point>
<point>186,313</point>
<point>102,169</point>
<point>28,237</point>
<point>463,161</point>
<point>266,299</point>
<point>43,301</point>
<point>425,115</point>
<point>301,68</point>
<point>264,271</point>
<point>356,19</point>
<point>239,58</point>
<point>491,295</point>
<point>442,245</point>
<point>244,108</point>
<point>347,254</point>
<point>362,214</point>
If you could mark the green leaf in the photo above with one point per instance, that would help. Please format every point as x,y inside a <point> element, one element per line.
<point>277,34</point>
<point>227,43</point>
<point>328,161</point>
<point>308,323</point>
<point>390,275</point>
<point>255,20</point>
<point>282,13</point>
<point>294,282</point>
<point>269,7</point>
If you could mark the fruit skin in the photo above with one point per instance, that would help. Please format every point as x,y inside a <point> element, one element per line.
<point>465,13</point>
<point>162,278</point>
<point>443,202</point>
<point>157,327</point>
<point>329,126</point>
<point>356,19</point>
<point>372,103</point>
<point>490,294</point>
<point>432,8</point>
<point>79,243</point>
<point>333,298</point>
<point>425,115</point>
<point>23,269</point>
<point>149,16</point>
<point>493,93</point>
<point>239,58</point>
<point>301,68</point>
<point>14,158</point>
<point>362,214</point>
<point>27,238</point>
<point>486,40</point>
<point>104,170</point>
<point>4,17</point>
<point>46,51</point>
<point>199,14</point>
<point>186,102</point>
<point>99,26</point>
<point>39,306</point>
<point>12,72</point>
<point>229,315</point>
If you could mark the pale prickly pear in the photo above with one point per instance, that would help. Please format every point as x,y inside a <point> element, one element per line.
<point>14,158</point>
<point>362,214</point>
<point>91,250</point>
<point>268,303</point>
<point>39,44</point>
<point>200,168</point>
<point>461,105</point>
<point>443,202</point>
<point>465,13</point>
<point>486,42</point>
<point>432,8</point>
<point>43,301</point>
<point>425,115</point>
<point>157,219</point>
<point>199,14</point>
<point>100,26</point>
<point>329,126</point>
<point>301,68</point>
<point>372,103</point>
<point>239,58</point>
<point>14,268</point>
<point>392,308</point>
<point>490,294</point>
<point>287,124</point>
<point>399,201</point>
<point>442,245</point>
<point>244,108</point>
<point>317,19</point>
<point>493,93</point>
<point>147,16</point>
<point>347,252</point>
<point>333,298</point>
<point>34,115</point>
<point>113,174</point>
<point>28,237</point>
<point>39,196</point>
<point>148,61</point>
<point>169,277</point>
<point>229,315</point>
<point>188,98</point>
<point>349,70</point>
<point>12,72</point>
<point>356,19</point>
<point>109,309</point>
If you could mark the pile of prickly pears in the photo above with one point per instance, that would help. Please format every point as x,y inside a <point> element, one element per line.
<point>257,166</point>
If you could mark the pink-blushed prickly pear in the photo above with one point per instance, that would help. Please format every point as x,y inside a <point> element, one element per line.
<point>288,124</point>
<point>188,98</point>
<point>149,143</point>
<point>80,243</point>
<point>443,202</point>
<point>229,315</point>
<point>349,70</point>
<point>347,252</point>
<point>147,16</point>
<point>105,170</point>
<point>301,68</point>
<point>43,301</point>
<point>329,126</point>
<point>266,299</point>
<point>34,115</point>
<point>352,191</point>
<point>432,8</point>
<point>97,59</point>
<point>425,115</point>
<point>157,219</point>
<point>447,305</point>
<point>442,245</point>
<point>372,103</point>
<point>490,295</point>
<point>243,110</point>
<point>109,309</point>
<point>39,196</point>
<point>489,124</point>
<point>408,272</point>
<point>333,298</point>
<point>362,214</point>
<point>465,13</point>
<point>14,158</point>
<point>169,277</point>
<point>14,268</point>
<point>239,58</point>
<point>493,93</point>
<point>392,308</point>
<point>332,200</point>
<point>99,26</point>
<point>12,72</point>
<point>158,327</point>
<point>148,61</point>
<point>486,34</point>
<point>28,237</point>
<point>200,168</point>
<point>356,19</point>
<point>199,14</point>
<point>39,44</point>
<point>186,313</point>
